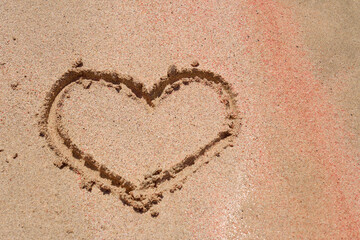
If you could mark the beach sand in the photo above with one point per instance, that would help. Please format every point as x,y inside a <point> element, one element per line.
<point>179,119</point>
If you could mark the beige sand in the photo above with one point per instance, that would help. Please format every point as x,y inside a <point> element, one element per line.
<point>123,145</point>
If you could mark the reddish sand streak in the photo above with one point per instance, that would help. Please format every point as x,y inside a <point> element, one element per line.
<point>304,110</point>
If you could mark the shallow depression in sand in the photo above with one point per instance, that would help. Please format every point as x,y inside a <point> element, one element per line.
<point>131,138</point>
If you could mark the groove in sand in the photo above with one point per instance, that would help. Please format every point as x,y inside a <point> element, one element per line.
<point>151,190</point>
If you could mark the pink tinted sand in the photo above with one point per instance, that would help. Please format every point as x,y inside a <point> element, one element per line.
<point>313,125</point>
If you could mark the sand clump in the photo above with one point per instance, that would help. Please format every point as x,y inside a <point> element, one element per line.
<point>195,63</point>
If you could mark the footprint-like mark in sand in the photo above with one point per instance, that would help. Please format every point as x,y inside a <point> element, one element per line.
<point>188,104</point>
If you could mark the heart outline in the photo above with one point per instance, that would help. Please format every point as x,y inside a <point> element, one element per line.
<point>150,191</point>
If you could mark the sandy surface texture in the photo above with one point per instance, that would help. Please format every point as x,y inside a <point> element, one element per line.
<point>180,119</point>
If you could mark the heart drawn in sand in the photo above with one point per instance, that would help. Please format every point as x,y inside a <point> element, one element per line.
<point>190,105</point>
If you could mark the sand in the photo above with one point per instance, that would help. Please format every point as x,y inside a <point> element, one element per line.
<point>179,120</point>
